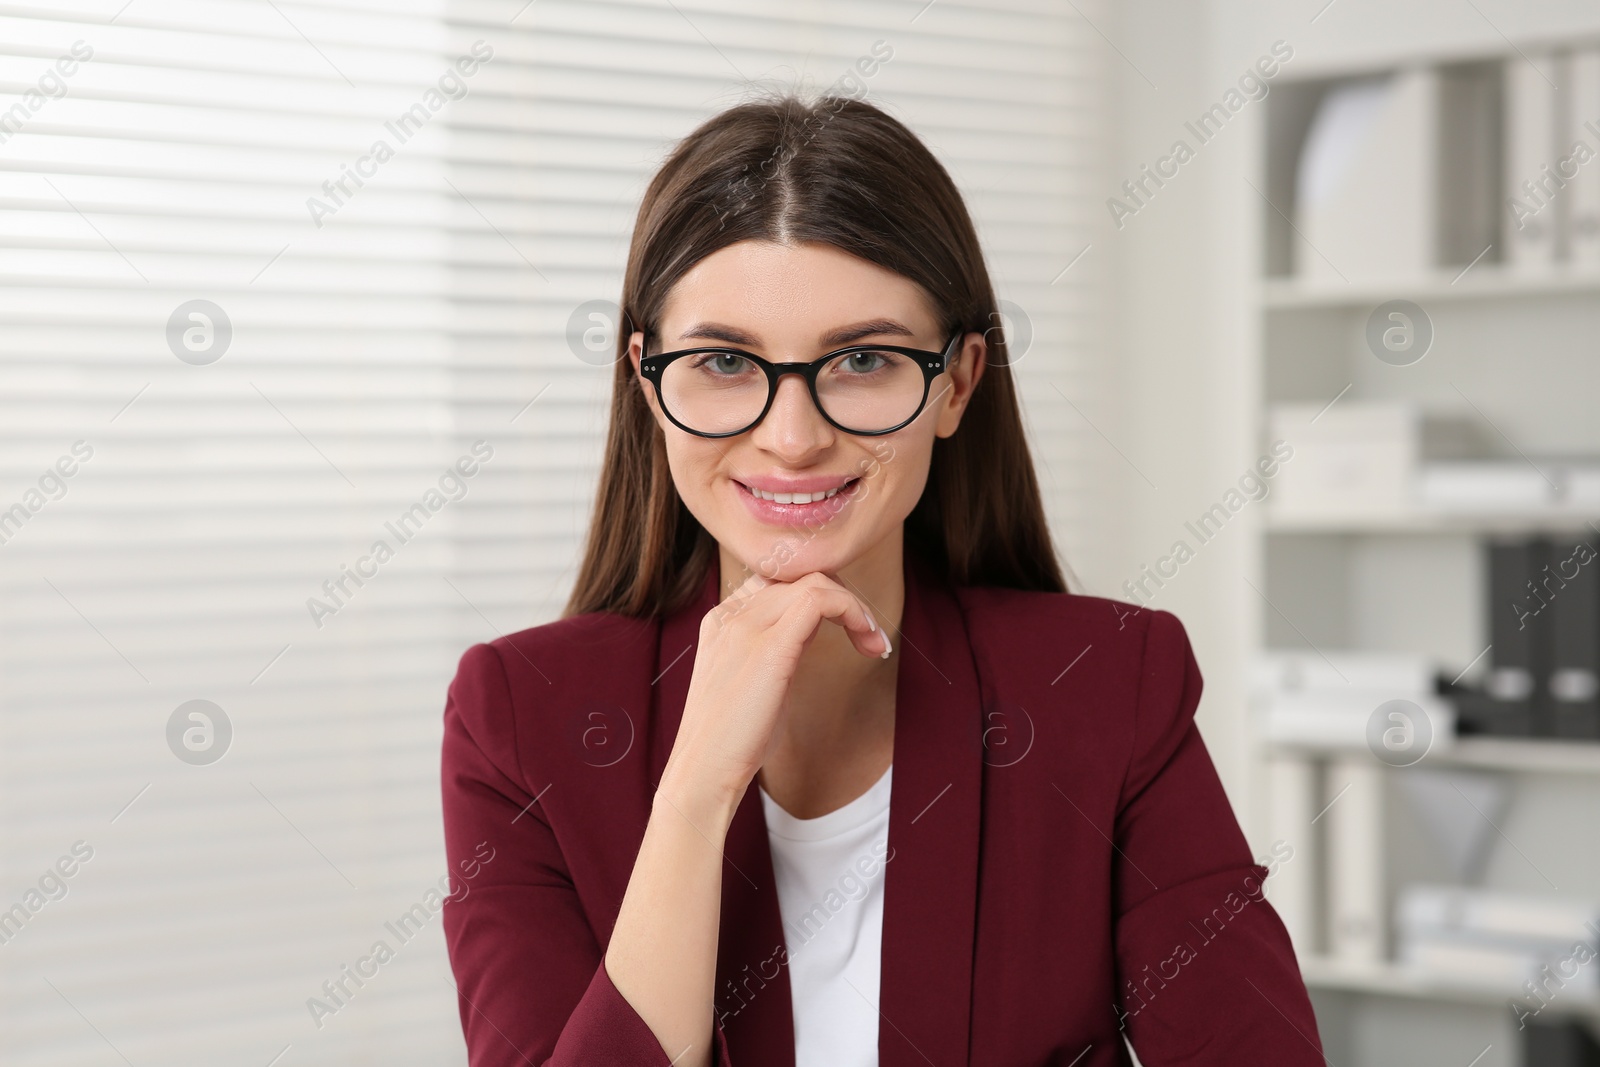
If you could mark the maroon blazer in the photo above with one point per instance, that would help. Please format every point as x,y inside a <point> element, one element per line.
<point>1065,866</point>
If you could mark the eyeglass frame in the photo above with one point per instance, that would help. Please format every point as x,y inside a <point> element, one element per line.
<point>932,365</point>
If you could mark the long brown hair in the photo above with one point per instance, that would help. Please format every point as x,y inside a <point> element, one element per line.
<point>839,172</point>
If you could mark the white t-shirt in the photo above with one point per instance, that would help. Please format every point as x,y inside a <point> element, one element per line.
<point>830,894</point>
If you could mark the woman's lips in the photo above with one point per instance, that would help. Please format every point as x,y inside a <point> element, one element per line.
<point>818,511</point>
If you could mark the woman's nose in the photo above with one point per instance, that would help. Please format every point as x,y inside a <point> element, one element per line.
<point>793,425</point>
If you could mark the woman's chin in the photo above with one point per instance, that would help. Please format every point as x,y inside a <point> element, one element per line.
<point>786,561</point>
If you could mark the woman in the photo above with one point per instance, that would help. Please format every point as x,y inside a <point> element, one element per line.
<point>818,562</point>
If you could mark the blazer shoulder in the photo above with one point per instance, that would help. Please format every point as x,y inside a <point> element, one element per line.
<point>556,658</point>
<point>572,647</point>
<point>1134,664</point>
<point>1132,656</point>
<point>531,687</point>
<point>1093,619</point>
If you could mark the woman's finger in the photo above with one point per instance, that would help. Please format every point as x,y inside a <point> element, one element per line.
<point>824,599</point>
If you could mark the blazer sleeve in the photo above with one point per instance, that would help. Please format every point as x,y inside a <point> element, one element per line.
<point>529,971</point>
<point>1206,972</point>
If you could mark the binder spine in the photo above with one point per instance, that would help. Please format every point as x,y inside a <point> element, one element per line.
<point>1572,690</point>
<point>1293,785</point>
<point>1583,129</point>
<point>1518,618</point>
<point>1357,917</point>
<point>1531,188</point>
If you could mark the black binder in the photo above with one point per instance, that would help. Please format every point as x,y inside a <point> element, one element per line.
<point>1519,617</point>
<point>1559,1044</point>
<point>1572,684</point>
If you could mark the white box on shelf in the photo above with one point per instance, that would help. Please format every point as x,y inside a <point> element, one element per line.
<point>1532,206</point>
<point>1329,700</point>
<point>1344,720</point>
<point>1494,936</point>
<point>1352,459</point>
<point>1532,917</point>
<point>1365,188</point>
<point>1401,674</point>
<point>1483,485</point>
<point>1464,961</point>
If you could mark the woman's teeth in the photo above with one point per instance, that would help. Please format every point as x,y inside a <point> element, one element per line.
<point>794,498</point>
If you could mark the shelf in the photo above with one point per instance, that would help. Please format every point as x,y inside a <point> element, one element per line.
<point>1391,980</point>
<point>1482,281</point>
<point>1520,754</point>
<point>1436,521</point>
<point>1530,755</point>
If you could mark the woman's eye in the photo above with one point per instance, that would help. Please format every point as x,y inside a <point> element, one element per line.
<point>722,363</point>
<point>865,362</point>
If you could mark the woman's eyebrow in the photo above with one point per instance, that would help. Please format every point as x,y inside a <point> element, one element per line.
<point>716,331</point>
<point>843,335</point>
<point>872,327</point>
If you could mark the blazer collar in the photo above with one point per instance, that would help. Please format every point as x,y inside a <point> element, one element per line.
<point>931,879</point>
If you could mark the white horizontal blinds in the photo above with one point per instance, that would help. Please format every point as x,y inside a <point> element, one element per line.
<point>217,499</point>
<point>428,311</point>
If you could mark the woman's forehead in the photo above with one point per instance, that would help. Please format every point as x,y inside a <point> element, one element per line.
<point>762,292</point>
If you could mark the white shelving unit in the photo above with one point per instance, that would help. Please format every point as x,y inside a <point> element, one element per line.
<point>1513,347</point>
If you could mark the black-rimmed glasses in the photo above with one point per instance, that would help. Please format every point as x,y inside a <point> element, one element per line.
<point>868,390</point>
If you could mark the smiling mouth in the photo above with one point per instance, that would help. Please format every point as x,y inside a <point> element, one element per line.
<point>798,498</point>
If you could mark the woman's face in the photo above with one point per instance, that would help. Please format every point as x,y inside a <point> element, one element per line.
<point>796,303</point>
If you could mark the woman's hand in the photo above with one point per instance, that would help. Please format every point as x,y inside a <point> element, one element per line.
<point>750,647</point>
<point>663,950</point>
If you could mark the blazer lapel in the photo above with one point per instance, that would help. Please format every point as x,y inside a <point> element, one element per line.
<point>930,887</point>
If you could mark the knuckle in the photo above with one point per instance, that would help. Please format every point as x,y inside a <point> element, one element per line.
<point>718,618</point>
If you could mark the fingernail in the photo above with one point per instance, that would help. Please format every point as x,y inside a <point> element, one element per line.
<point>873,625</point>
<point>887,647</point>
